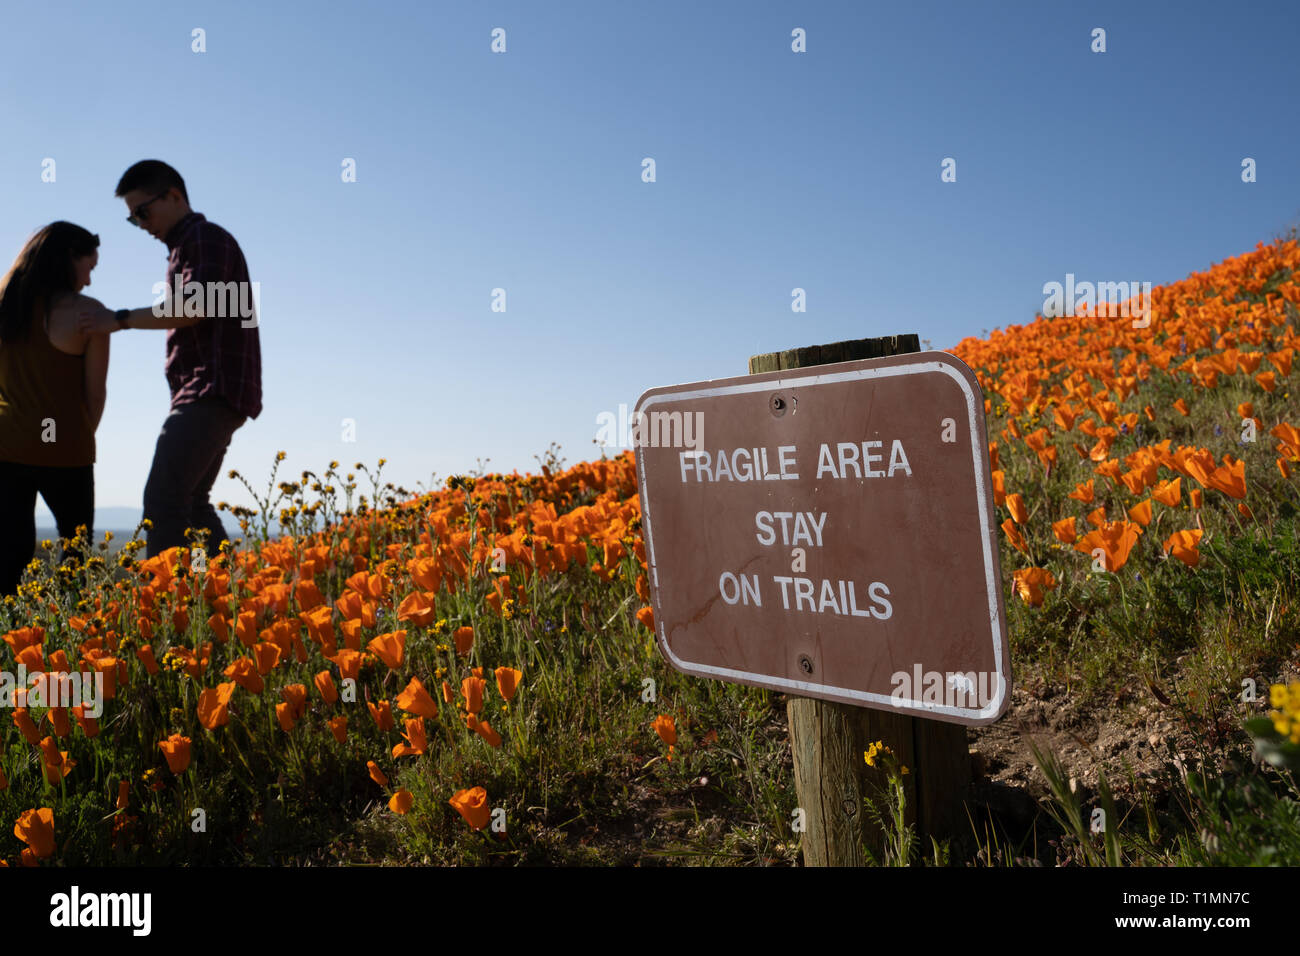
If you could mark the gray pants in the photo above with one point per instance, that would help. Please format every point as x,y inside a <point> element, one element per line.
<point>186,463</point>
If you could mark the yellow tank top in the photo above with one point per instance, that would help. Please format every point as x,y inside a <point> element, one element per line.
<point>43,415</point>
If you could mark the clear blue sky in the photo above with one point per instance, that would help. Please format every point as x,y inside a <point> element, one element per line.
<point>523,170</point>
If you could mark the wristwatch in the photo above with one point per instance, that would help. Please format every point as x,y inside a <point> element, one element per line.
<point>121,315</point>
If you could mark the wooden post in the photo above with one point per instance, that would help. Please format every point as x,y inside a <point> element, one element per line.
<point>828,739</point>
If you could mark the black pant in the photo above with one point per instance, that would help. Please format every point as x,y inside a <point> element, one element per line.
<point>186,463</point>
<point>70,495</point>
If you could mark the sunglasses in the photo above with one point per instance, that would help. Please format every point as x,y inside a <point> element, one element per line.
<point>138,214</point>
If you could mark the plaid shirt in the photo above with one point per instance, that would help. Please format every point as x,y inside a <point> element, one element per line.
<point>216,355</point>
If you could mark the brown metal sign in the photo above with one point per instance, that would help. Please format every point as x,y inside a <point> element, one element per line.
<point>829,532</point>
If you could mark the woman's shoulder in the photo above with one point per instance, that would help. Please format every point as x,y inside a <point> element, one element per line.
<point>74,302</point>
<point>67,309</point>
<point>65,313</point>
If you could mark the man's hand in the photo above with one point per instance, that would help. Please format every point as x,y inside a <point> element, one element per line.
<point>96,322</point>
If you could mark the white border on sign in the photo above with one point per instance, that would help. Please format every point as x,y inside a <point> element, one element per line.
<point>786,684</point>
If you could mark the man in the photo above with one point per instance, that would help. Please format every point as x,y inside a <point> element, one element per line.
<point>214,361</point>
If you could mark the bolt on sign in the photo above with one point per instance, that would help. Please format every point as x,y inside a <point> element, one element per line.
<point>829,532</point>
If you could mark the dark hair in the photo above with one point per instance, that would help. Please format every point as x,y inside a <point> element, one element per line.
<point>42,270</point>
<point>153,176</point>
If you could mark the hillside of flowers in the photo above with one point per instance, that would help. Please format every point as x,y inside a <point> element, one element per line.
<point>469,675</point>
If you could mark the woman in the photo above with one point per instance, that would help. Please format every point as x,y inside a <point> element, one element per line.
<point>52,391</point>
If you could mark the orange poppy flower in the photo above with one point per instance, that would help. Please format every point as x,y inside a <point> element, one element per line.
<point>308,595</point>
<point>176,749</point>
<point>267,655</point>
<point>1109,469</point>
<point>246,627</point>
<point>349,663</point>
<point>1064,417</point>
<point>1141,512</point>
<point>401,801</point>
<point>36,829</point>
<point>1115,539</point>
<point>484,730</point>
<point>472,688</point>
<point>59,719</point>
<point>666,728</point>
<point>89,725</point>
<point>508,681</point>
<point>1105,438</point>
<point>1014,536</point>
<point>325,686</point>
<point>1135,480</point>
<point>23,637</point>
<point>381,714</point>
<point>416,700</point>
<point>1065,530</point>
<point>213,711</point>
<point>339,728</point>
<point>1083,492</point>
<point>1181,405</point>
<point>1230,478</point>
<point>1288,437</point>
<point>220,627</point>
<point>417,608</point>
<point>472,804</point>
<point>1197,497</point>
<point>416,741</point>
<point>1267,381</point>
<point>144,653</point>
<point>377,775</point>
<point>389,648</point>
<point>647,617</point>
<point>1168,492</point>
<point>295,695</point>
<point>464,637</point>
<point>446,692</point>
<point>56,762</point>
<point>31,658</point>
<point>1183,546</point>
<point>351,634</point>
<point>1031,583</point>
<point>1016,505</point>
<point>320,624</point>
<point>244,673</point>
<point>26,726</point>
<point>284,713</point>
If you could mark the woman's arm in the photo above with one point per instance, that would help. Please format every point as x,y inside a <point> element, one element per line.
<point>96,377</point>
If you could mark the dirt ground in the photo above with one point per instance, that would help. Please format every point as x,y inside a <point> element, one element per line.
<point>1139,741</point>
